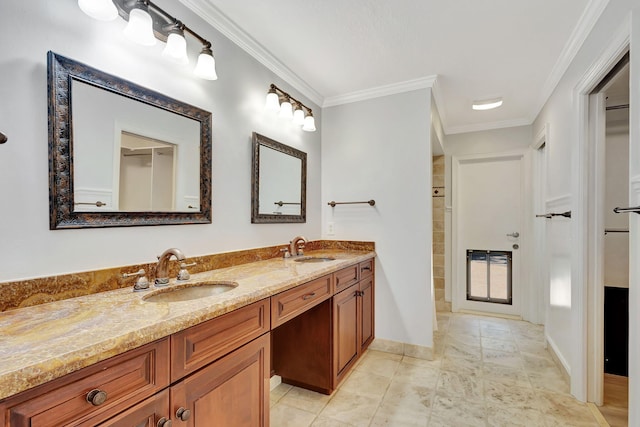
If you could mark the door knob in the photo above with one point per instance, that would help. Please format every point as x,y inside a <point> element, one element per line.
<point>514,234</point>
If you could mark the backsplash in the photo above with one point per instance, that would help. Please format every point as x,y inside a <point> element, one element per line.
<point>25,293</point>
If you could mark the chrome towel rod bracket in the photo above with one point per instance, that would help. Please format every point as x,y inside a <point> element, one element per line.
<point>635,209</point>
<point>333,204</point>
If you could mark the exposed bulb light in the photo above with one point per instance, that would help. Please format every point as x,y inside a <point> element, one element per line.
<point>102,10</point>
<point>309,123</point>
<point>273,101</point>
<point>298,115</point>
<point>286,109</point>
<point>176,48</point>
<point>290,108</point>
<point>140,26</point>
<point>487,104</point>
<point>206,66</point>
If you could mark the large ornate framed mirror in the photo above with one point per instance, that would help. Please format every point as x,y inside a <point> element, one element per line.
<point>121,154</point>
<point>279,182</point>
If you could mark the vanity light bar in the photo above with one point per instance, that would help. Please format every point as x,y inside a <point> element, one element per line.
<point>148,22</point>
<point>290,108</point>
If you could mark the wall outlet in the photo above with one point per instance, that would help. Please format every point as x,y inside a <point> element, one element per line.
<point>330,229</point>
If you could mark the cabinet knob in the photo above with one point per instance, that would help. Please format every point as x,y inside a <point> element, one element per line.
<point>164,422</point>
<point>97,397</point>
<point>183,414</point>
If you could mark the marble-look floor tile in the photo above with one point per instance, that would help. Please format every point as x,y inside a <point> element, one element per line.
<point>508,417</point>
<point>502,358</point>
<point>549,379</point>
<point>489,332</point>
<point>306,400</point>
<point>414,374</point>
<point>351,408</point>
<point>463,386</point>
<point>505,375</point>
<point>500,396</point>
<point>288,416</point>
<point>564,407</point>
<point>328,422</point>
<point>463,366</point>
<point>279,391</point>
<point>536,363</point>
<point>455,348</point>
<point>449,408</point>
<point>379,365</point>
<point>398,417</point>
<point>366,384</point>
<point>411,398</point>
<point>422,363</point>
<point>499,344</point>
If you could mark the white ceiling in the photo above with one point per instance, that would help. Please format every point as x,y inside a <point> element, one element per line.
<point>334,51</point>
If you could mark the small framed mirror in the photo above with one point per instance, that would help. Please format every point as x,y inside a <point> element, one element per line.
<point>123,155</point>
<point>279,184</point>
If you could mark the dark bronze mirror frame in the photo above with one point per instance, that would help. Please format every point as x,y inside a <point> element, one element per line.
<point>256,216</point>
<point>61,71</point>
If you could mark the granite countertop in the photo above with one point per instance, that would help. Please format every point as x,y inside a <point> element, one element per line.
<point>47,341</point>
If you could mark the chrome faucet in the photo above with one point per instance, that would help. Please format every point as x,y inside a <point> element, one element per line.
<point>293,246</point>
<point>162,274</point>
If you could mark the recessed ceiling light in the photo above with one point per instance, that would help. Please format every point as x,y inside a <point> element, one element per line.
<point>487,104</point>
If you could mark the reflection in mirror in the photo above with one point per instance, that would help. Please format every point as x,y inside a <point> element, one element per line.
<point>279,182</point>
<point>122,155</point>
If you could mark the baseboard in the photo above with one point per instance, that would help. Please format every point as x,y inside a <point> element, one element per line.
<point>275,381</point>
<point>403,349</point>
<point>487,314</point>
<point>558,358</point>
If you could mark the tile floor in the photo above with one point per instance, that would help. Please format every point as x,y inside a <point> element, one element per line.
<point>487,372</point>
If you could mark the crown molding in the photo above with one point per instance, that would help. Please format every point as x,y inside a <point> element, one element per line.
<point>585,24</point>
<point>213,16</point>
<point>488,126</point>
<point>377,92</point>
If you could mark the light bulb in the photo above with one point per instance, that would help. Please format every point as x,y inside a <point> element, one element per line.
<point>140,26</point>
<point>487,104</point>
<point>102,10</point>
<point>298,116</point>
<point>309,124</point>
<point>286,110</point>
<point>206,66</point>
<point>273,101</point>
<point>176,48</point>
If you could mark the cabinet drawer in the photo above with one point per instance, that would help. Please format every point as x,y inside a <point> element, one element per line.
<point>129,377</point>
<point>145,414</point>
<point>288,304</point>
<point>346,277</point>
<point>200,345</point>
<point>366,268</point>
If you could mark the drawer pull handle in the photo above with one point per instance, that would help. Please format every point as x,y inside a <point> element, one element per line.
<point>308,296</point>
<point>183,414</point>
<point>365,268</point>
<point>164,422</point>
<point>97,397</point>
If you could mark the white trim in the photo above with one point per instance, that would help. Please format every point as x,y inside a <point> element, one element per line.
<point>553,348</point>
<point>557,202</point>
<point>213,16</point>
<point>587,21</point>
<point>380,91</point>
<point>488,126</point>
<point>583,208</point>
<point>458,288</point>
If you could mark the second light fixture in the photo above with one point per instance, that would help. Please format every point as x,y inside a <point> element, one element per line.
<point>290,108</point>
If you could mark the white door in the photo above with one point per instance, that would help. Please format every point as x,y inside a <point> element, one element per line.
<point>487,211</point>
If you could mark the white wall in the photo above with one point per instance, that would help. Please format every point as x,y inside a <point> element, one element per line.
<point>380,149</point>
<point>236,100</point>
<point>561,114</point>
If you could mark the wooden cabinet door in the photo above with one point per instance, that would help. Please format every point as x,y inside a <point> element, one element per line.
<point>233,391</point>
<point>345,333</point>
<point>148,413</point>
<point>367,314</point>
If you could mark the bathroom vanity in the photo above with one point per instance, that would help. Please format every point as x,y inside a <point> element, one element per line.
<point>201,362</point>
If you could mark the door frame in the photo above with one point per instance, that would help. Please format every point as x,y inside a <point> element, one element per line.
<point>539,278</point>
<point>458,253</point>
<point>587,301</point>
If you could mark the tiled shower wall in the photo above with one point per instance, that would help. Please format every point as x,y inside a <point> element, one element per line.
<point>438,233</point>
